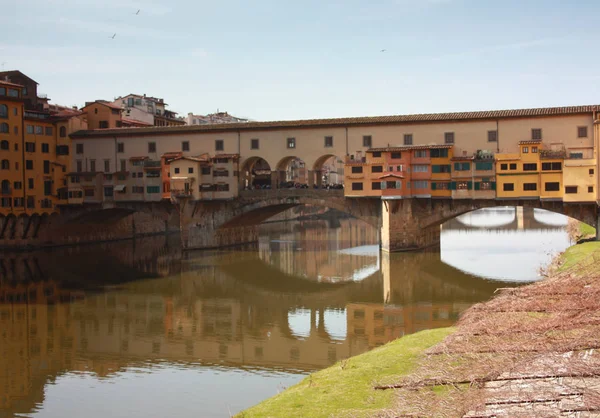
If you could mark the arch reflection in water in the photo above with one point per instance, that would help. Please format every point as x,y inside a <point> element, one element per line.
<point>209,320</point>
<point>517,242</point>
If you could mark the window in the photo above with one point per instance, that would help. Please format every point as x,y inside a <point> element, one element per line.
<point>79,148</point>
<point>529,187</point>
<point>46,167</point>
<point>492,136</point>
<point>46,148</point>
<point>513,166</point>
<point>30,184</point>
<point>16,130</point>
<point>291,142</point>
<point>219,145</point>
<point>421,153</point>
<point>4,145</point>
<point>30,202</point>
<point>552,187</point>
<point>408,139</point>
<point>30,146</point>
<point>62,132</point>
<point>508,187</point>
<point>49,131</point>
<point>444,168</point>
<point>4,128</point>
<point>137,189</point>
<point>484,166</point>
<point>2,91</point>
<point>551,166</point>
<point>176,170</point>
<point>376,185</point>
<point>152,189</point>
<point>39,130</point>
<point>221,173</point>
<point>357,186</point>
<point>190,170</point>
<point>205,171</point>
<point>185,146</point>
<point>123,165</point>
<point>151,147</point>
<point>530,167</point>
<point>367,141</point>
<point>62,150</point>
<point>590,189</point>
<point>525,150</point>
<point>29,129</point>
<point>591,171</point>
<point>582,132</point>
<point>376,154</point>
<point>396,155</point>
<point>3,111</point>
<point>463,185</point>
<point>79,166</point>
<point>440,186</point>
<point>29,164</point>
<point>570,189</point>
<point>536,134</point>
<point>254,144</point>
<point>103,124</point>
<point>328,141</point>
<point>357,170</point>
<point>534,150</point>
<point>93,166</point>
<point>449,138</point>
<point>375,168</point>
<point>221,187</point>
<point>421,184</point>
<point>108,191</point>
<point>18,185</point>
<point>420,168</point>
<point>576,155</point>
<point>462,166</point>
<point>439,153</point>
<point>48,188</point>
<point>120,147</point>
<point>107,166</point>
<point>5,165</point>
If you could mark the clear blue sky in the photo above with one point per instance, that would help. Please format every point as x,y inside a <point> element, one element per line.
<point>271,59</point>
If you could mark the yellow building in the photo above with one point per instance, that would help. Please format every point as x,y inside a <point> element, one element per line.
<point>441,171</point>
<point>518,175</point>
<point>579,177</point>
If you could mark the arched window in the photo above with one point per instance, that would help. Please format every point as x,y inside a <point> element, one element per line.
<point>63,132</point>
<point>3,111</point>
<point>4,128</point>
<point>4,145</point>
<point>5,165</point>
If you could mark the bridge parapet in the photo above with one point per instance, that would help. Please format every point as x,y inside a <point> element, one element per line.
<point>287,193</point>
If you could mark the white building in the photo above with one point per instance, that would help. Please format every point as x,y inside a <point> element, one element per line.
<point>148,109</point>
<point>219,117</point>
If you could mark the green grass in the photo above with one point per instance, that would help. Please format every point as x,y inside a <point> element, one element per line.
<point>586,230</point>
<point>577,253</point>
<point>347,386</point>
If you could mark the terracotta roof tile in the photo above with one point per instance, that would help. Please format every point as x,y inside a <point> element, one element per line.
<point>531,141</point>
<point>357,121</point>
<point>391,175</point>
<point>233,156</point>
<point>409,148</point>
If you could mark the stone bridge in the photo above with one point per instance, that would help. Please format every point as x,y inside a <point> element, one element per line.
<point>408,224</point>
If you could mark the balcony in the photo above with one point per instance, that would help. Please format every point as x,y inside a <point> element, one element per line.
<point>181,193</point>
<point>151,164</point>
<point>548,154</point>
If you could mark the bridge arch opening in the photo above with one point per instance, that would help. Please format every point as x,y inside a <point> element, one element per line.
<point>256,174</point>
<point>328,171</point>
<point>292,172</point>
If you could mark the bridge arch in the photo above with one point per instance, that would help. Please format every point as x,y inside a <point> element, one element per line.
<point>256,172</point>
<point>328,169</point>
<point>292,169</point>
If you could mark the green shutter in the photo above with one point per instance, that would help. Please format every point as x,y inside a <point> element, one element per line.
<point>466,166</point>
<point>469,185</point>
<point>435,168</point>
<point>452,185</point>
<point>477,185</point>
<point>493,185</point>
<point>433,185</point>
<point>456,166</point>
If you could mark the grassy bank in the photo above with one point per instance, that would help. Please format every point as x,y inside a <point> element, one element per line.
<point>576,254</point>
<point>586,231</point>
<point>347,387</point>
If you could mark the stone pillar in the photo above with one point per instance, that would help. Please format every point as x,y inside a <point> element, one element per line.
<point>274,180</point>
<point>401,229</point>
<point>311,178</point>
<point>520,218</point>
<point>282,174</point>
<point>319,178</point>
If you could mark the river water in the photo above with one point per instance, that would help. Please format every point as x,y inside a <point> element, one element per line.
<point>136,329</point>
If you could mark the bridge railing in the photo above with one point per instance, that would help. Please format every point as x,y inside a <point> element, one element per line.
<point>279,193</point>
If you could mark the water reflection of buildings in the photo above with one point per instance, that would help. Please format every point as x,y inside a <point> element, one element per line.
<point>240,309</point>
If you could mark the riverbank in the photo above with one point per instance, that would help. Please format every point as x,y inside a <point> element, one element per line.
<point>530,351</point>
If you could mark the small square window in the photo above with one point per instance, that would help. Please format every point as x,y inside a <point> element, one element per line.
<point>525,150</point>
<point>151,147</point>
<point>492,136</point>
<point>185,146</point>
<point>219,145</point>
<point>120,147</point>
<point>176,170</point>
<point>190,170</point>
<point>590,189</point>
<point>408,139</point>
<point>79,148</point>
<point>591,171</point>
<point>534,150</point>
<point>328,141</point>
<point>367,141</point>
<point>449,138</point>
<point>582,132</point>
<point>536,134</point>
<point>254,144</point>
<point>291,142</point>
<point>513,166</point>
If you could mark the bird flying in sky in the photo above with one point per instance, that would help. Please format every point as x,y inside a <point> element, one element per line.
<point>113,37</point>
<point>383,50</point>
<point>138,12</point>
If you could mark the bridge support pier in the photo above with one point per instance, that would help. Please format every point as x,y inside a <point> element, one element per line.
<point>401,228</point>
